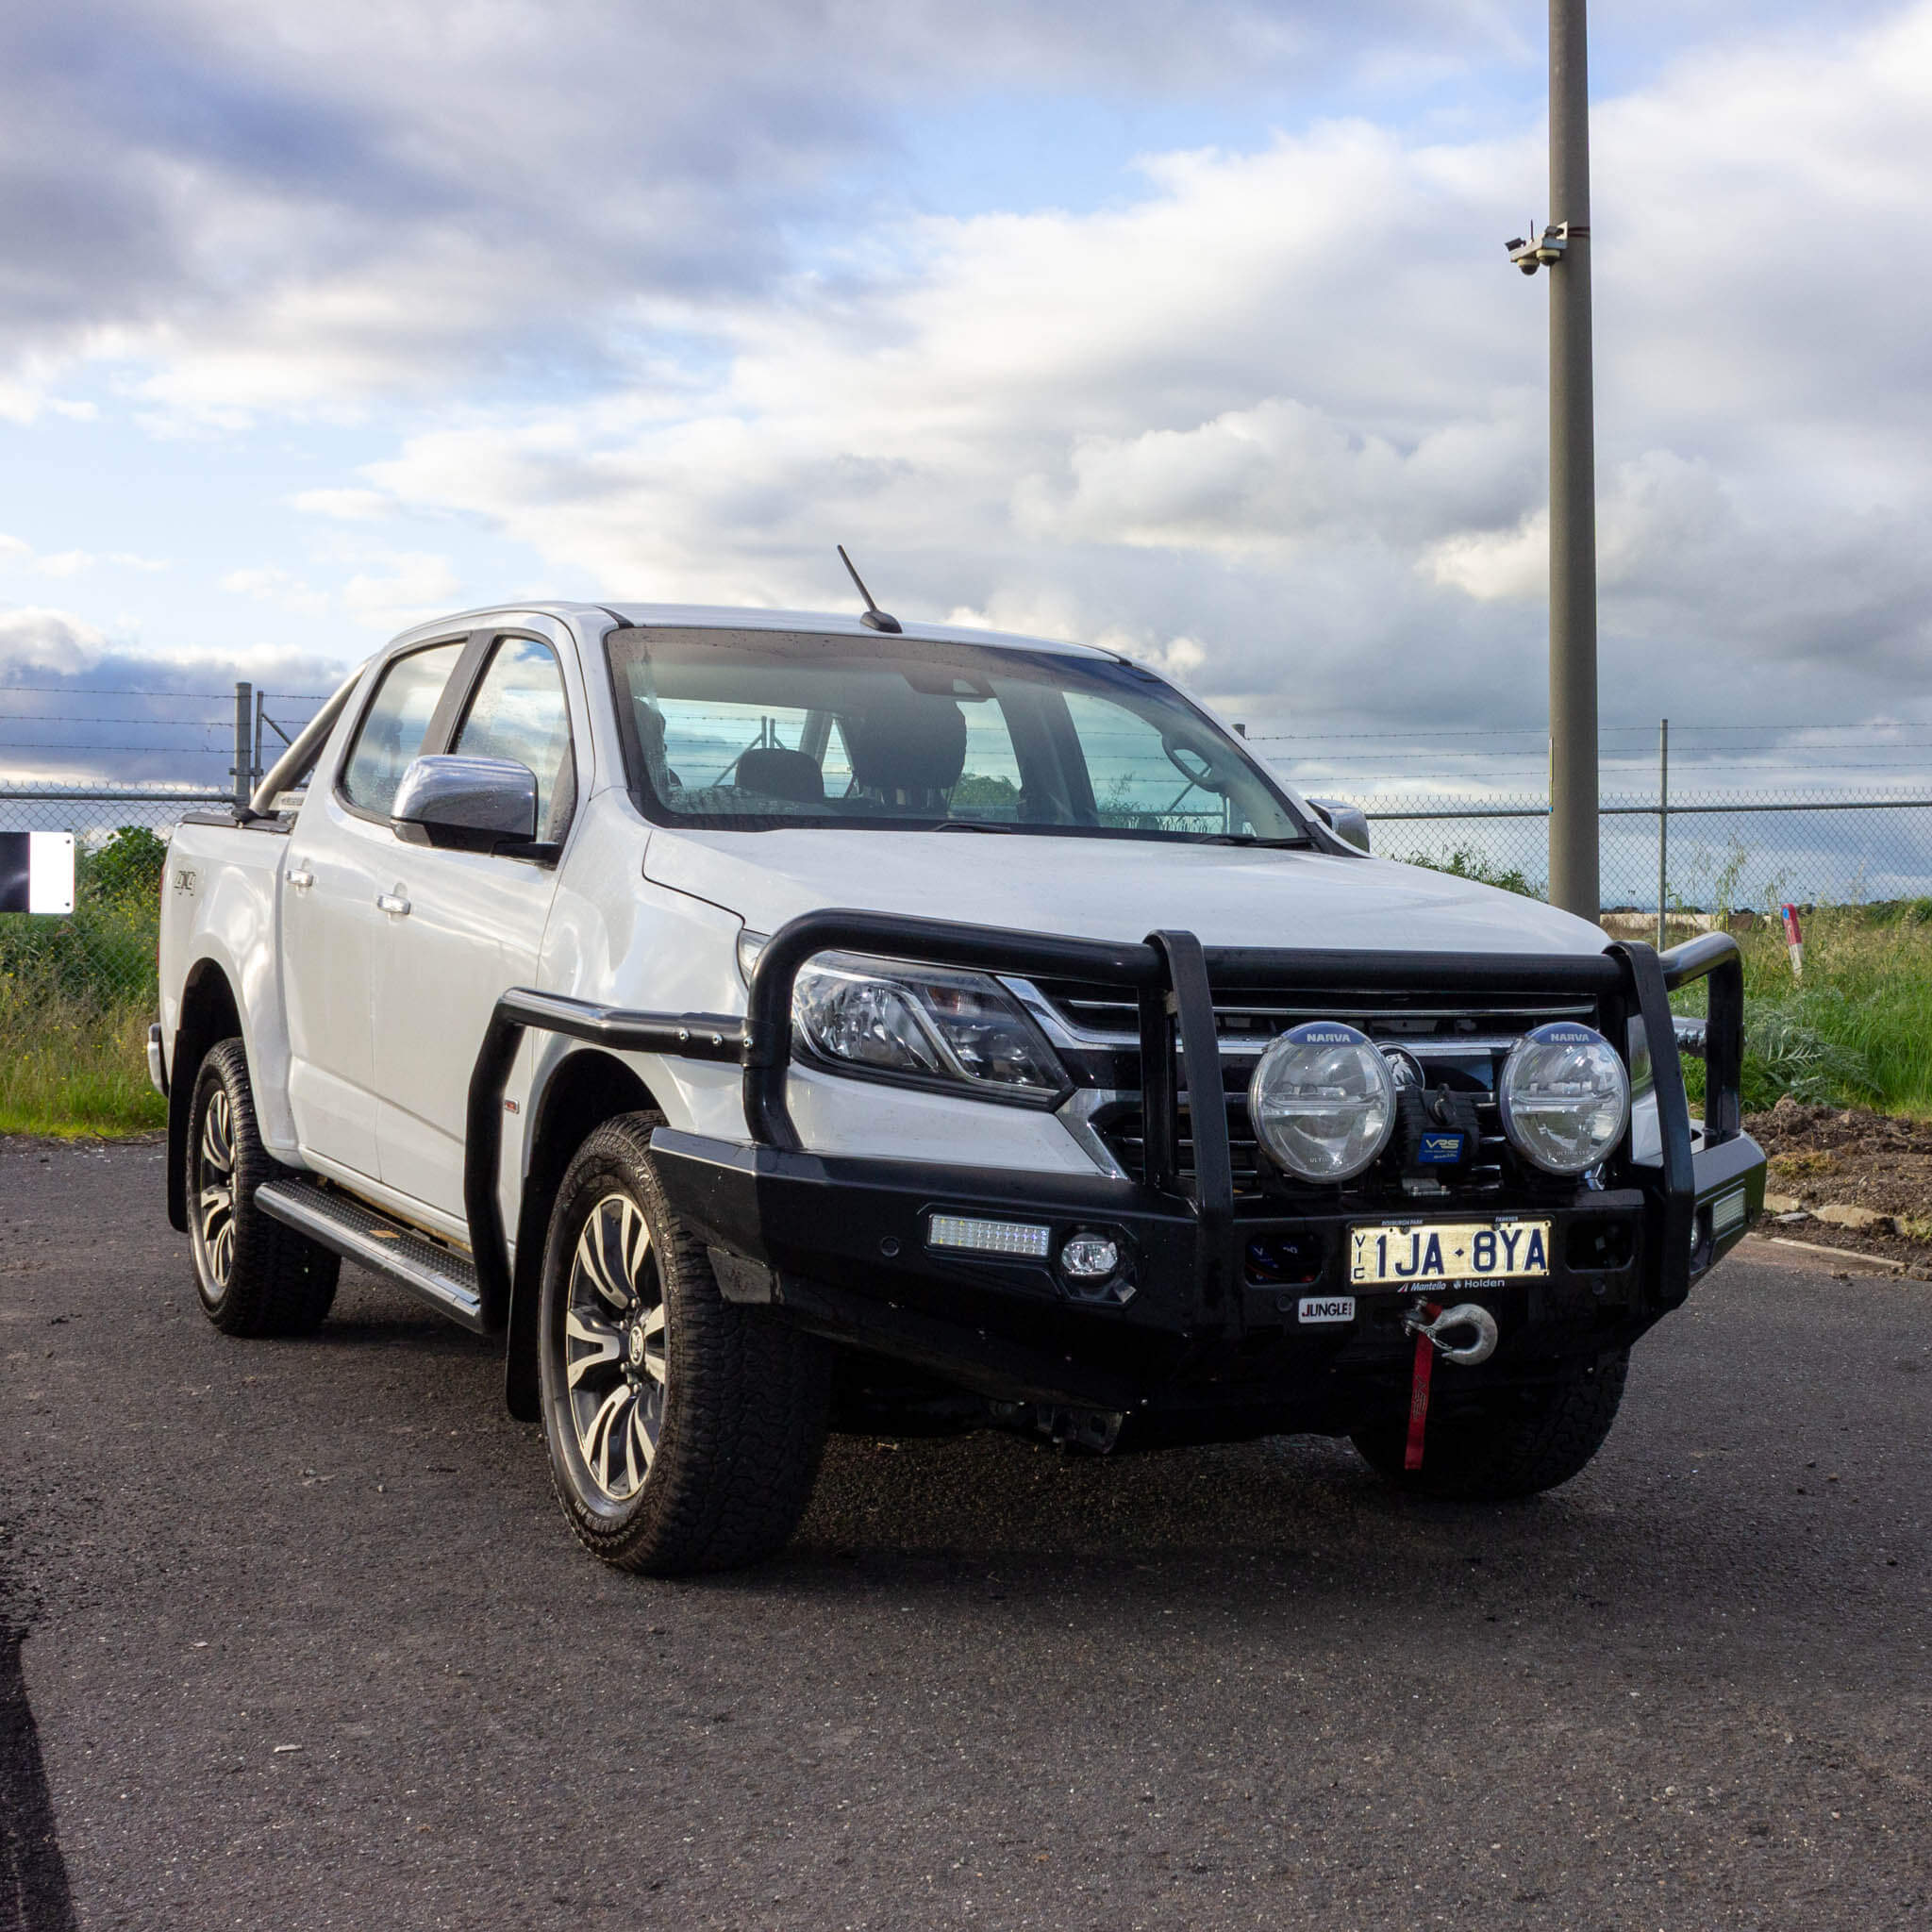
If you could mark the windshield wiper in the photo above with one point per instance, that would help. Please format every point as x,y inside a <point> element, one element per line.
<point>1253,839</point>
<point>969,825</point>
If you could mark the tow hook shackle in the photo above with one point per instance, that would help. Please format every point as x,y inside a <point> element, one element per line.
<point>1464,1315</point>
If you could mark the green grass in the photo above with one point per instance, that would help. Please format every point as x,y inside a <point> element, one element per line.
<point>75,1066</point>
<point>76,996</point>
<point>1857,1029</point>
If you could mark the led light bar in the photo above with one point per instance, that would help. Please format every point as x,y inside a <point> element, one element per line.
<point>1017,1238</point>
<point>1728,1212</point>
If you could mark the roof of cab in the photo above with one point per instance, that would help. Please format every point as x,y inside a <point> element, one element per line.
<point>592,619</point>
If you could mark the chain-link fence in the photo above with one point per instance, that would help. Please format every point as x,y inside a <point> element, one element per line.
<point>1702,851</point>
<point>71,983</point>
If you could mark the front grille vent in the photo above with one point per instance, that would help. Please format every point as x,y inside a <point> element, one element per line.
<point>1458,1046</point>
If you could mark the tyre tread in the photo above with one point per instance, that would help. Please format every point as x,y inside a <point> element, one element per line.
<point>740,1453</point>
<point>282,1283</point>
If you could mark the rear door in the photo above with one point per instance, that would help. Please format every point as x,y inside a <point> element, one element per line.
<point>332,930</point>
<point>473,926</point>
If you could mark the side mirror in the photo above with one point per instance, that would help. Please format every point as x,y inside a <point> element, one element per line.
<point>1347,822</point>
<point>471,804</point>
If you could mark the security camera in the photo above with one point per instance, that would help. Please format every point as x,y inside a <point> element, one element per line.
<point>1546,249</point>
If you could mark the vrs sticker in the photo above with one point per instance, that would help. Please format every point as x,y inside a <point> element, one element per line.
<point>1327,1308</point>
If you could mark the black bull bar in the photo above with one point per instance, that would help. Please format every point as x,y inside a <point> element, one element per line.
<point>1172,977</point>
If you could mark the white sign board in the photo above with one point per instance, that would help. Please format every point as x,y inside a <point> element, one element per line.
<point>37,872</point>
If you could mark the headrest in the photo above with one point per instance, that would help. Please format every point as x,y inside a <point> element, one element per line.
<point>780,773</point>
<point>906,741</point>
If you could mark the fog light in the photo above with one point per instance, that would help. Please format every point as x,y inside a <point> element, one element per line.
<point>1014,1238</point>
<point>1090,1257</point>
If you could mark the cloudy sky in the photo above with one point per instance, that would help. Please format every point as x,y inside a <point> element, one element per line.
<point>1185,329</point>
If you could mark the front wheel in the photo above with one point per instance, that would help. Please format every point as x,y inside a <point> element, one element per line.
<point>254,1276</point>
<point>1519,1442</point>
<point>684,1432</point>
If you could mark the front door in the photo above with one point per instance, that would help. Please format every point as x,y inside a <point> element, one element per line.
<point>332,930</point>
<point>465,927</point>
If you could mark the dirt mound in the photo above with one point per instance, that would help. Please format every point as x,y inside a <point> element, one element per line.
<point>1827,1158</point>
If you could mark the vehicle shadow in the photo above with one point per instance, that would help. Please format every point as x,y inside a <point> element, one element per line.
<point>1303,1521</point>
<point>370,1313</point>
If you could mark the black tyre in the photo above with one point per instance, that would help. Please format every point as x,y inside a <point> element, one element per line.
<point>255,1276</point>
<point>684,1432</point>
<point>1522,1442</point>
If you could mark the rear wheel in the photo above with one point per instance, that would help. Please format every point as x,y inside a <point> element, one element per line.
<point>1519,1443</point>
<point>684,1432</point>
<point>255,1276</point>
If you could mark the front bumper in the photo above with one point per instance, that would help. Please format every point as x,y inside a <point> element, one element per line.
<point>1212,1328</point>
<point>845,1248</point>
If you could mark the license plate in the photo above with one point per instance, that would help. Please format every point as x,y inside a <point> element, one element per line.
<point>1417,1255</point>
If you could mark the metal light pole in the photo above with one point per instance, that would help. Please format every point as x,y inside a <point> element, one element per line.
<point>1564,249</point>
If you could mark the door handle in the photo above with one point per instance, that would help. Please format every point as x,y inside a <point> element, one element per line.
<point>301,878</point>
<point>391,902</point>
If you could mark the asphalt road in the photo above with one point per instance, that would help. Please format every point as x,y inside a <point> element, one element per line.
<point>306,1643</point>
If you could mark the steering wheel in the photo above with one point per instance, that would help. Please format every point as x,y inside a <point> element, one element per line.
<point>1192,764</point>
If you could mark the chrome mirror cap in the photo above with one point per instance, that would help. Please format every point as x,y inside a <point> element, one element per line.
<point>453,800</point>
<point>1348,822</point>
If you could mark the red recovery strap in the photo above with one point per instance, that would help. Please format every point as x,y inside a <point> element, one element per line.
<point>1418,1393</point>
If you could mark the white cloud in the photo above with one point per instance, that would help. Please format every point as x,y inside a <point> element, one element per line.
<point>1287,406</point>
<point>46,642</point>
<point>414,586</point>
<point>381,200</point>
<point>270,583</point>
<point>344,505</point>
<point>68,563</point>
<point>1273,418</point>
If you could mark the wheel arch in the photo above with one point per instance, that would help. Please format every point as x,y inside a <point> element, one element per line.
<point>209,1013</point>
<point>585,1089</point>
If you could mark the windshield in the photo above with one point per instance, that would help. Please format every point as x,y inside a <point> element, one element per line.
<point>753,730</point>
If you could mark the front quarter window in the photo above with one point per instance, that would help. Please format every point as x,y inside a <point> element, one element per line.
<point>394,726</point>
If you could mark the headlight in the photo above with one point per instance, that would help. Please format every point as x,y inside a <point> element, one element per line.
<point>923,1022</point>
<point>1323,1101</point>
<point>1565,1098</point>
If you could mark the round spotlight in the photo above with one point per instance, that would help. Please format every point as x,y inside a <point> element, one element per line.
<point>1323,1101</point>
<point>1565,1098</point>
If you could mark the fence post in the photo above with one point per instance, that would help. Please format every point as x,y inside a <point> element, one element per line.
<point>243,767</point>
<point>1663,825</point>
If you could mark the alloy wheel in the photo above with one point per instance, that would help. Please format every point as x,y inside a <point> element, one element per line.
<point>616,1371</point>
<point>215,1188</point>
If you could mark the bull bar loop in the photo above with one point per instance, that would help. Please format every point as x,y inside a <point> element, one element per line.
<point>1173,976</point>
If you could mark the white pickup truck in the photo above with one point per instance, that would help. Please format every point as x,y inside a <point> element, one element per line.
<point>766,1023</point>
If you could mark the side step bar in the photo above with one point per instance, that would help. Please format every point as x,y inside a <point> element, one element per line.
<point>446,1281</point>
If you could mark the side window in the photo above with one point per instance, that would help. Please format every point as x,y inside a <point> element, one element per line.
<point>392,727</point>
<point>518,713</point>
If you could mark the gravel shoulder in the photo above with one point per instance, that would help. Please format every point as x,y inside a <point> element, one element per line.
<point>307,1644</point>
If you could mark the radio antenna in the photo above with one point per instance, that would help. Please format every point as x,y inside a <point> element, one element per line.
<point>875,619</point>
